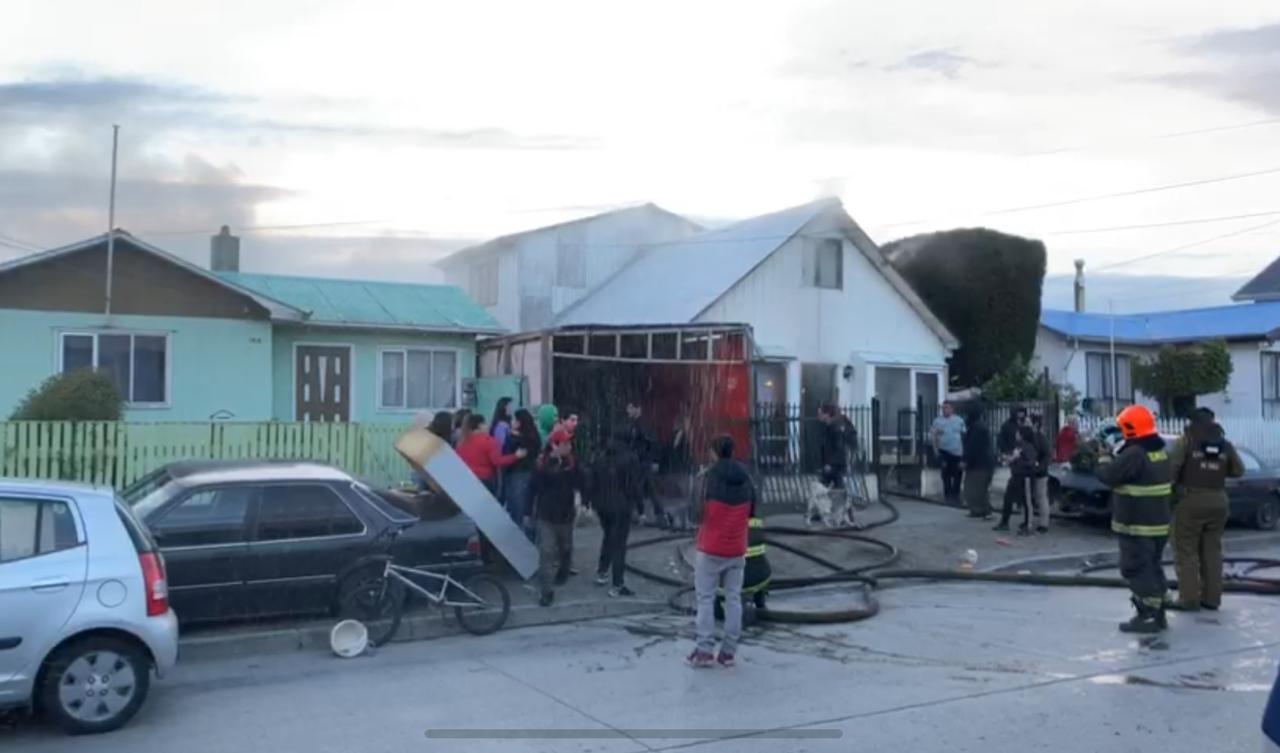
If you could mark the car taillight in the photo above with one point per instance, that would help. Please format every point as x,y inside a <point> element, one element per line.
<point>153,581</point>
<point>473,545</point>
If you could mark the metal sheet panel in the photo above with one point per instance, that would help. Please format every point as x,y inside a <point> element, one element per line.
<point>435,459</point>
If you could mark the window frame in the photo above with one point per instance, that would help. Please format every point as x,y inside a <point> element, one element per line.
<point>256,514</point>
<point>61,335</point>
<point>811,269</point>
<point>404,351</point>
<point>42,500</point>
<point>250,515</point>
<point>1269,405</point>
<point>1128,358</point>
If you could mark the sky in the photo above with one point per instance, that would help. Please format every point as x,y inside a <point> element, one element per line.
<point>365,139</point>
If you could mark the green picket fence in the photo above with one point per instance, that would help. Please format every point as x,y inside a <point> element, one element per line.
<point>119,453</point>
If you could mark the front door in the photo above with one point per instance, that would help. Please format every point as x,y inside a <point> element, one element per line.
<point>322,383</point>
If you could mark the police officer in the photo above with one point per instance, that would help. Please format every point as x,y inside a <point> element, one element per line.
<point>1202,461</point>
<point>1140,477</point>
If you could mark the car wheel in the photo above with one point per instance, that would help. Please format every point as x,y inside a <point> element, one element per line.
<point>1267,516</point>
<point>95,685</point>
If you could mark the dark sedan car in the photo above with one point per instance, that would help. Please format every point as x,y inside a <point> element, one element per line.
<point>255,539</point>
<point>1255,497</point>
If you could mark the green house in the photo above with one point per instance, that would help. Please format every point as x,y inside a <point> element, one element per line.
<point>183,343</point>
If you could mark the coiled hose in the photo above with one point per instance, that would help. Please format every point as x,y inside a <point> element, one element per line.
<point>869,576</point>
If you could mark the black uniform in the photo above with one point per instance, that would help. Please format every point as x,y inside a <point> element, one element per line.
<point>1141,478</point>
<point>834,453</point>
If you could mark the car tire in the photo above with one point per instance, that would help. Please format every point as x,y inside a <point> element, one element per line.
<point>95,685</point>
<point>1267,516</point>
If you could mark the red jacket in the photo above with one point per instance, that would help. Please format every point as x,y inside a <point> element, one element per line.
<point>480,453</point>
<point>1068,439</point>
<point>726,511</point>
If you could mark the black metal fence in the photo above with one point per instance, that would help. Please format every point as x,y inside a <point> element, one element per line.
<point>786,450</point>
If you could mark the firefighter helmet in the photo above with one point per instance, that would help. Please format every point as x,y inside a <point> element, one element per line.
<point>1136,422</point>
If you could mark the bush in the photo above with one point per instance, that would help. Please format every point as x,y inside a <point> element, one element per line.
<point>1176,376</point>
<point>81,395</point>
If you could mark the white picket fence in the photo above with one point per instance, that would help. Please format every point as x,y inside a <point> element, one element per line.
<point>1260,435</point>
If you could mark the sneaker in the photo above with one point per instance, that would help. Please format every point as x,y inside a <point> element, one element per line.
<point>546,598</point>
<point>623,591</point>
<point>1001,527</point>
<point>725,660</point>
<point>602,579</point>
<point>700,659</point>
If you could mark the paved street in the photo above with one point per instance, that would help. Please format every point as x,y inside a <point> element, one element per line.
<point>954,668</point>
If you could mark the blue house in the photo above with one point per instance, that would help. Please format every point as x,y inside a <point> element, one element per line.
<point>183,343</point>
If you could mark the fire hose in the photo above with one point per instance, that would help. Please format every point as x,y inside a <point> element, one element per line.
<point>869,577</point>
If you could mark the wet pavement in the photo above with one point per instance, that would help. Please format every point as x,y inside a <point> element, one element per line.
<point>944,667</point>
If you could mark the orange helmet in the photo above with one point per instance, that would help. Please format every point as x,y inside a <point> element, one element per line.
<point>1136,422</point>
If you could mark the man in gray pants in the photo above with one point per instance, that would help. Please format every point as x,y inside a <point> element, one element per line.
<point>726,510</point>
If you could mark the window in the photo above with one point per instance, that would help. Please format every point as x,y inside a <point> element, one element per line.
<point>1099,377</point>
<point>571,265</point>
<point>1271,385</point>
<point>207,517</point>
<point>824,264</point>
<point>417,379</point>
<point>1251,462</point>
<point>484,282</point>
<point>298,511</point>
<point>31,527</point>
<point>137,364</point>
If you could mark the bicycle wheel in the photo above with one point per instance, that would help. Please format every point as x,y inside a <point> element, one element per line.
<point>491,607</point>
<point>375,600</point>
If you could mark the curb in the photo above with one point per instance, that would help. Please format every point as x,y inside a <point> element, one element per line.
<point>420,624</point>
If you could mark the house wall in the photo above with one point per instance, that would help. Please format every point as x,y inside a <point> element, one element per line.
<point>215,365</point>
<point>865,324</point>
<point>365,369</point>
<point>529,294</point>
<point>1243,396</point>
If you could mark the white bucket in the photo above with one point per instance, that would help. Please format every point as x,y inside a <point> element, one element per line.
<point>349,638</point>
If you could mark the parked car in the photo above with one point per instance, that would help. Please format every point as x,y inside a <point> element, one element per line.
<point>1254,497</point>
<point>249,539</point>
<point>84,613</point>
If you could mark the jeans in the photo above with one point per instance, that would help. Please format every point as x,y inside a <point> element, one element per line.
<point>710,572</point>
<point>517,491</point>
<point>952,474</point>
<point>616,526</point>
<point>555,552</point>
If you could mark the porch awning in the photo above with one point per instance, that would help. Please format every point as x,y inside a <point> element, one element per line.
<point>901,359</point>
<point>765,352</point>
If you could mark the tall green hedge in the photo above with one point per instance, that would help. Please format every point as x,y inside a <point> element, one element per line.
<point>985,286</point>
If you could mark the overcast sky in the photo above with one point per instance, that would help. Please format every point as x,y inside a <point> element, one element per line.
<point>423,125</point>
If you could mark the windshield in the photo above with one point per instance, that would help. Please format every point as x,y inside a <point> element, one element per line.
<point>148,493</point>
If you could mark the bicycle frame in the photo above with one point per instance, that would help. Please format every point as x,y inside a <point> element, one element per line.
<point>402,574</point>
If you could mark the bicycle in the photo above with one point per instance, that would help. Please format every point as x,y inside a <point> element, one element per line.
<point>378,599</point>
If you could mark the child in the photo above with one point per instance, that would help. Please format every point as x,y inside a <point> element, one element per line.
<point>555,484</point>
<point>1022,468</point>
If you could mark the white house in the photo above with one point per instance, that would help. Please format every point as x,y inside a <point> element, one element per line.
<point>526,279</point>
<point>1076,349</point>
<point>832,320</point>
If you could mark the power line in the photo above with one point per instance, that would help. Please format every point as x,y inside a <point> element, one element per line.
<point>1157,136</point>
<point>18,242</point>
<point>258,228</point>
<point>1171,223</point>
<point>1184,247</point>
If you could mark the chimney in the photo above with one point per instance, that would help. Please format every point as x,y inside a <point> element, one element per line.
<point>224,251</point>
<point>1079,286</point>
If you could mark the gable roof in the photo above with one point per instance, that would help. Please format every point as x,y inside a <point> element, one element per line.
<point>503,242</point>
<point>1247,321</point>
<point>278,309</point>
<point>1265,286</point>
<point>674,283</point>
<point>372,305</point>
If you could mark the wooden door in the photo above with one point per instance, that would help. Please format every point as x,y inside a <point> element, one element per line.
<point>322,383</point>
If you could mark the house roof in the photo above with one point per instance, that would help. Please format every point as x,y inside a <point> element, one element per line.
<point>1240,322</point>
<point>1265,286</point>
<point>277,308</point>
<point>372,305</point>
<point>675,282</point>
<point>503,242</point>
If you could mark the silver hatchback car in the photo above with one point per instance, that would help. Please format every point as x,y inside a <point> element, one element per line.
<point>84,608</point>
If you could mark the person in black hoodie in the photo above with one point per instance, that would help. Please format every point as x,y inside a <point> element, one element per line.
<point>979,465</point>
<point>616,482</point>
<point>1021,468</point>
<point>556,482</point>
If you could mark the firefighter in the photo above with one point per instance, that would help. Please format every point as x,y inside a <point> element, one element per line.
<point>756,575</point>
<point>1202,460</point>
<point>1140,477</point>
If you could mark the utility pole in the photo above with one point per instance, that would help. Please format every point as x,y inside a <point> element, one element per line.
<point>1115,373</point>
<point>111,216</point>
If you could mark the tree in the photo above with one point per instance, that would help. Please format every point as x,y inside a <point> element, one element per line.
<point>80,395</point>
<point>1016,383</point>
<point>1176,376</point>
<point>985,287</point>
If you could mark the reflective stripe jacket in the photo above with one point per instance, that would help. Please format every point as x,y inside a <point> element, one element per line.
<point>757,573</point>
<point>1141,481</point>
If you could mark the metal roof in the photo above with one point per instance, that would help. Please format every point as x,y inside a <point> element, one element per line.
<point>677,281</point>
<point>1257,321</point>
<point>373,305</point>
<point>277,308</point>
<point>1265,286</point>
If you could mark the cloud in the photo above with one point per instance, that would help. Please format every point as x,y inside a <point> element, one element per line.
<point>945,62</point>
<point>1240,65</point>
